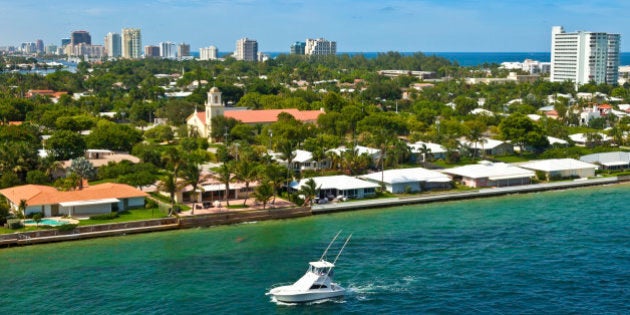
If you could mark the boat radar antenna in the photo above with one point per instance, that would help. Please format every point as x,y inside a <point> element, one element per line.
<point>327,248</point>
<point>342,247</point>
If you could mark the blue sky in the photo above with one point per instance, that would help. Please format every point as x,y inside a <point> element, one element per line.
<point>369,25</point>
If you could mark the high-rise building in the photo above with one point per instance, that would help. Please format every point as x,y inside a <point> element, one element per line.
<point>582,57</point>
<point>183,50</point>
<point>151,51</point>
<point>246,49</point>
<point>39,45</point>
<point>208,53</point>
<point>113,45</point>
<point>80,37</point>
<point>167,50</point>
<point>131,43</point>
<point>298,48</point>
<point>65,42</point>
<point>51,50</point>
<point>320,46</point>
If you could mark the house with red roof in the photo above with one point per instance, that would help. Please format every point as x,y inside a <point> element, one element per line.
<point>97,199</point>
<point>201,122</point>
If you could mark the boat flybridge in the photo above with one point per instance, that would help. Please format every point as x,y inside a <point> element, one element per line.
<point>316,284</point>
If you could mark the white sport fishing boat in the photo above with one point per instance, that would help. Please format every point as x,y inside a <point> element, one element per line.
<point>316,284</point>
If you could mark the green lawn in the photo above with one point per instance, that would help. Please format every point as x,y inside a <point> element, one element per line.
<point>130,215</point>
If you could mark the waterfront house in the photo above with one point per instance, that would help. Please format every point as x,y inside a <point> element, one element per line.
<point>91,200</point>
<point>609,160</point>
<point>339,186</point>
<point>409,180</point>
<point>488,174</point>
<point>561,168</point>
<point>302,160</point>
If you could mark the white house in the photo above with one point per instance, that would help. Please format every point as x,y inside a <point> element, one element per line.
<point>487,146</point>
<point>581,139</point>
<point>562,168</point>
<point>332,187</point>
<point>437,151</point>
<point>373,153</point>
<point>302,160</point>
<point>488,174</point>
<point>409,180</point>
<point>609,160</point>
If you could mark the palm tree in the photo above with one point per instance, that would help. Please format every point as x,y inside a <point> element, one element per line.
<point>246,171</point>
<point>310,190</point>
<point>192,174</point>
<point>425,152</point>
<point>83,168</point>
<point>263,193</point>
<point>224,175</point>
<point>168,183</point>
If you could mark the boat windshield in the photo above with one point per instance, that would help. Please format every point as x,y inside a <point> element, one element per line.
<point>320,271</point>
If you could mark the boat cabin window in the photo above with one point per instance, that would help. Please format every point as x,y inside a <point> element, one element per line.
<point>318,286</point>
<point>319,271</point>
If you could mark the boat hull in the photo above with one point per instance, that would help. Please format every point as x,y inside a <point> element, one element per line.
<point>303,297</point>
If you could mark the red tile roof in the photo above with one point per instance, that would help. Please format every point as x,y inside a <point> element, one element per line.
<point>45,195</point>
<point>263,116</point>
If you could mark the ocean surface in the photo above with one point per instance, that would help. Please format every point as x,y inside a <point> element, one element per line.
<point>562,252</point>
<point>477,58</point>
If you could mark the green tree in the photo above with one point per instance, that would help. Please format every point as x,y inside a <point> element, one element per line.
<point>310,190</point>
<point>225,176</point>
<point>264,192</point>
<point>83,168</point>
<point>113,136</point>
<point>65,145</point>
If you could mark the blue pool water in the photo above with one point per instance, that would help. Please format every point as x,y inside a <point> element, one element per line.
<point>46,221</point>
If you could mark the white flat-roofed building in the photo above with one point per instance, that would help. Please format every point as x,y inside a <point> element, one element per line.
<point>553,141</point>
<point>336,186</point>
<point>437,151</point>
<point>320,46</point>
<point>582,57</point>
<point>487,146</point>
<point>302,160</point>
<point>609,160</point>
<point>582,139</point>
<point>488,174</point>
<point>562,168</point>
<point>373,153</point>
<point>409,180</point>
<point>209,53</point>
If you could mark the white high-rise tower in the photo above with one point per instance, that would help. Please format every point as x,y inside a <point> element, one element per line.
<point>582,57</point>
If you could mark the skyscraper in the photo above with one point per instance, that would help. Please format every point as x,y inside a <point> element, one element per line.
<point>113,45</point>
<point>246,49</point>
<point>208,53</point>
<point>131,42</point>
<point>80,37</point>
<point>183,50</point>
<point>582,57</point>
<point>167,50</point>
<point>39,45</point>
<point>151,51</point>
<point>298,48</point>
<point>65,42</point>
<point>320,46</point>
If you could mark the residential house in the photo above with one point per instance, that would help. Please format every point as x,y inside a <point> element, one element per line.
<point>91,200</point>
<point>339,186</point>
<point>409,180</point>
<point>561,168</point>
<point>488,174</point>
<point>609,160</point>
<point>487,146</point>
<point>436,151</point>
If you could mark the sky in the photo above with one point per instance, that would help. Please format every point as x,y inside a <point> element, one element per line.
<point>356,26</point>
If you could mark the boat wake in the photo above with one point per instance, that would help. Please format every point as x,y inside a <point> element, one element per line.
<point>338,300</point>
<point>363,292</point>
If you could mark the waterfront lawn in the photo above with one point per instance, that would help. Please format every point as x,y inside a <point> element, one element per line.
<point>129,215</point>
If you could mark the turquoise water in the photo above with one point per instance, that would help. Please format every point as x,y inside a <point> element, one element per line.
<point>46,221</point>
<point>556,252</point>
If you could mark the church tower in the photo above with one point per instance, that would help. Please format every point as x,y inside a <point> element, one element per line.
<point>214,108</point>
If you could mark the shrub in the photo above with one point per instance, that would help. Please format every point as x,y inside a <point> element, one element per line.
<point>150,203</point>
<point>15,224</point>
<point>32,215</point>
<point>66,227</point>
<point>106,216</point>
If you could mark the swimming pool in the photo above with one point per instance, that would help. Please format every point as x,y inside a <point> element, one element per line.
<point>46,221</point>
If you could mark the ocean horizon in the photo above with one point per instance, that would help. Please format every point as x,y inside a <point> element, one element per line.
<point>467,59</point>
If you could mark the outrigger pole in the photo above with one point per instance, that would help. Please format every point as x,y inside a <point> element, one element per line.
<point>331,242</point>
<point>342,247</point>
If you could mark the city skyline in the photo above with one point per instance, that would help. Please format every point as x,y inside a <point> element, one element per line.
<point>430,26</point>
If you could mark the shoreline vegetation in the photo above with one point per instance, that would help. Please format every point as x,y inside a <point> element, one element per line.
<point>235,217</point>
